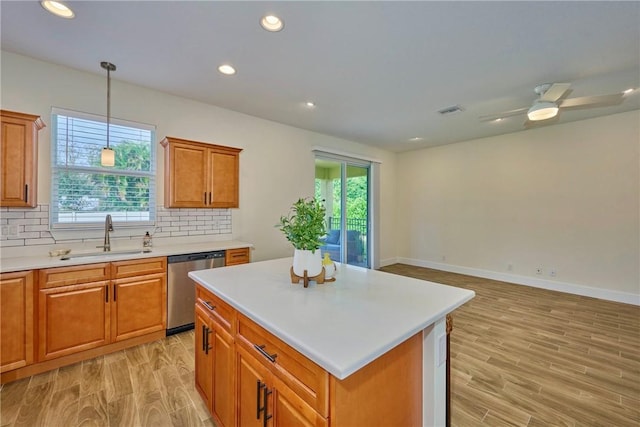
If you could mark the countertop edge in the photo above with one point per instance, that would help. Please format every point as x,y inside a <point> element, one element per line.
<point>340,372</point>
<point>14,264</point>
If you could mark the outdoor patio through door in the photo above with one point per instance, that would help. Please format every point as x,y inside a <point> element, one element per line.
<point>344,185</point>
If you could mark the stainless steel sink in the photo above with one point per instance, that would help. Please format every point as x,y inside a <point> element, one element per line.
<point>102,254</point>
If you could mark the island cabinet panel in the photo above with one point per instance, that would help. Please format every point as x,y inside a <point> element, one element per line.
<point>253,394</point>
<point>204,356</point>
<point>19,158</point>
<point>73,319</point>
<point>16,320</point>
<point>308,380</point>
<point>386,392</point>
<point>215,355</point>
<point>199,175</point>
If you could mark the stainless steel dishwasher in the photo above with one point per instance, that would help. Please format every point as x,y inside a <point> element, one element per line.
<point>181,290</point>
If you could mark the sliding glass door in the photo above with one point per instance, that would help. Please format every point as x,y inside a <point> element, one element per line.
<point>344,186</point>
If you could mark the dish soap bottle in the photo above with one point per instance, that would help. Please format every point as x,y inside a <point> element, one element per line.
<point>329,267</point>
<point>146,243</point>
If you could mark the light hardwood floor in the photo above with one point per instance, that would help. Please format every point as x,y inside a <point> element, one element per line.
<point>520,357</point>
<point>529,357</point>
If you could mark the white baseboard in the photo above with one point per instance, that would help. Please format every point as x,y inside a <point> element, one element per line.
<point>570,288</point>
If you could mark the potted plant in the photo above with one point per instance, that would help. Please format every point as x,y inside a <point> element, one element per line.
<point>304,226</point>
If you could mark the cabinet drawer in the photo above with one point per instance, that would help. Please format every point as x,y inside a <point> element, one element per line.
<point>64,276</point>
<point>304,377</point>
<point>138,267</point>
<point>237,256</point>
<point>221,312</point>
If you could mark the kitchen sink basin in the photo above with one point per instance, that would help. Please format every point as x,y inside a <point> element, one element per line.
<point>102,254</point>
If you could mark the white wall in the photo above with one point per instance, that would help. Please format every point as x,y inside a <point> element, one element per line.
<point>563,198</point>
<point>276,164</point>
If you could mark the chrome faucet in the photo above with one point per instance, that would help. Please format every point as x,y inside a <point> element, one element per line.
<point>108,226</point>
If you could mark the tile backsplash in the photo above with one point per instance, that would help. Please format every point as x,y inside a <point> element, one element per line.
<point>30,226</point>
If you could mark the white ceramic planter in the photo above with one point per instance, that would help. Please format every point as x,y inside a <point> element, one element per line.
<point>307,260</point>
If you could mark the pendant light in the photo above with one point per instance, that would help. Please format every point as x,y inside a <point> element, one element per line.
<point>108,156</point>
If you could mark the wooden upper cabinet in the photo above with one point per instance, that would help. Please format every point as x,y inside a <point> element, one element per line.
<point>199,175</point>
<point>19,159</point>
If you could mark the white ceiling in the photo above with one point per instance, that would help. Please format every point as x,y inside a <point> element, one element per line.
<point>378,71</point>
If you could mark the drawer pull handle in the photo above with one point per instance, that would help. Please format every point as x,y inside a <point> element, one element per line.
<point>207,346</point>
<point>266,392</point>
<point>204,337</point>
<point>258,408</point>
<point>271,357</point>
<point>208,305</point>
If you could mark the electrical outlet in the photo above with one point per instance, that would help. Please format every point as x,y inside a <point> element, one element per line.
<point>444,258</point>
<point>539,270</point>
<point>552,273</point>
<point>13,231</point>
<point>509,267</point>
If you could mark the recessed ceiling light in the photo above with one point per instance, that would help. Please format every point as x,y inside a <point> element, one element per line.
<point>272,23</point>
<point>628,91</point>
<point>310,104</point>
<point>57,8</point>
<point>499,119</point>
<point>227,69</point>
<point>416,139</point>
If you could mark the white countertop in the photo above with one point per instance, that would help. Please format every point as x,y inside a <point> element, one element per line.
<point>341,325</point>
<point>9,264</point>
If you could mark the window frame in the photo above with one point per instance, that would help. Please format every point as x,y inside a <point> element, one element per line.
<point>63,228</point>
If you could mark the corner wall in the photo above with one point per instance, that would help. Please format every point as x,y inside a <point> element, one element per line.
<point>562,198</point>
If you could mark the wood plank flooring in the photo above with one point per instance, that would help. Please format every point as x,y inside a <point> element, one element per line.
<point>520,357</point>
<point>523,356</point>
<point>147,385</point>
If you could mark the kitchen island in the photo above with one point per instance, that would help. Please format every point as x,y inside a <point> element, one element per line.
<point>369,348</point>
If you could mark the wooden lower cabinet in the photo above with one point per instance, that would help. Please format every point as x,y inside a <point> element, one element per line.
<point>82,308</point>
<point>215,378</point>
<point>16,320</point>
<point>138,306</point>
<point>73,319</point>
<point>264,400</point>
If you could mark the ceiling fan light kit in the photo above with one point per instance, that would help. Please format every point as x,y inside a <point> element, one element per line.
<point>542,110</point>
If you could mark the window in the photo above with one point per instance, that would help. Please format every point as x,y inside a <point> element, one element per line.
<point>83,191</point>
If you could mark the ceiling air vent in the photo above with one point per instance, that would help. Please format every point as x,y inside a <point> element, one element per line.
<point>451,110</point>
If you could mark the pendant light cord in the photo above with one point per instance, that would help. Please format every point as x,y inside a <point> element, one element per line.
<point>109,67</point>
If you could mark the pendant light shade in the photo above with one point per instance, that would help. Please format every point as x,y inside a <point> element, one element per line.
<point>542,110</point>
<point>108,156</point>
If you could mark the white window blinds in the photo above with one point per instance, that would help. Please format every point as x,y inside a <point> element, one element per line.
<point>83,191</point>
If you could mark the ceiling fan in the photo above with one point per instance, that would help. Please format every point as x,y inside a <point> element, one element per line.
<point>552,99</point>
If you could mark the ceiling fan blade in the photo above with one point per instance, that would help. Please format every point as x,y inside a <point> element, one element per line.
<point>592,101</point>
<point>503,115</point>
<point>555,92</point>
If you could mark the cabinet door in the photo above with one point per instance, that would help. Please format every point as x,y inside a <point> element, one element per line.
<point>204,355</point>
<point>223,405</point>
<point>16,320</point>
<point>290,410</point>
<point>224,180</point>
<point>18,159</point>
<point>72,319</point>
<point>253,391</point>
<point>138,306</point>
<point>186,177</point>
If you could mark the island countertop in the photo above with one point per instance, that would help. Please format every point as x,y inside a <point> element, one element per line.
<point>341,325</point>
